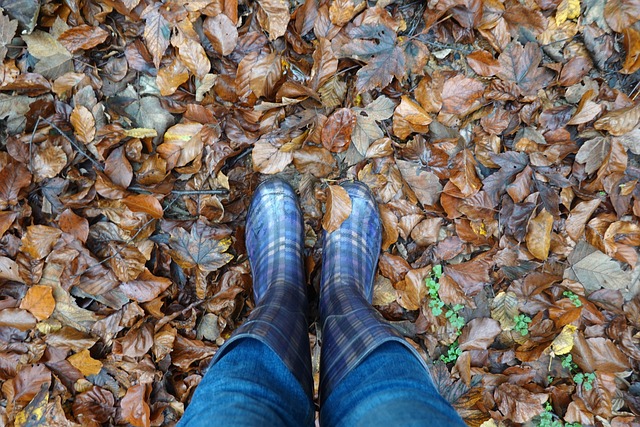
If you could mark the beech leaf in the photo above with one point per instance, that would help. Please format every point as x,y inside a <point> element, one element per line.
<point>338,208</point>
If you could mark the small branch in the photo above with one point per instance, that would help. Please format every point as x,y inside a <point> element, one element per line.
<point>194,192</point>
<point>74,144</point>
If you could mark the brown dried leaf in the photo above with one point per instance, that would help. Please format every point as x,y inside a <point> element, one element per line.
<point>135,409</point>
<point>479,334</point>
<point>410,117</point>
<point>84,124</point>
<point>461,95</point>
<point>317,161</point>
<point>126,261</point>
<point>118,168</point>
<point>145,203</point>
<point>463,174</point>
<point>619,122</point>
<point>94,407</point>
<point>336,132</point>
<point>39,240</point>
<point>146,287</point>
<point>39,301</point>
<point>539,234</point>
<point>82,37</point>
<point>222,33</point>
<point>342,11</point>
<point>190,51</point>
<point>268,159</point>
<point>621,14</point>
<point>631,43</point>
<point>483,63</point>
<point>580,214</point>
<point>593,152</point>
<point>171,76</point>
<point>518,403</point>
<point>13,178</point>
<point>157,32</point>
<point>85,363</point>
<point>17,318</point>
<point>273,16</point>
<point>338,208</point>
<point>424,184</point>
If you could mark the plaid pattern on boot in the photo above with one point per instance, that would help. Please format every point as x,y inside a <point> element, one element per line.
<point>275,244</point>
<point>351,327</point>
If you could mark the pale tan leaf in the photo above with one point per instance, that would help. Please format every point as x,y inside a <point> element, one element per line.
<point>619,122</point>
<point>273,16</point>
<point>269,159</point>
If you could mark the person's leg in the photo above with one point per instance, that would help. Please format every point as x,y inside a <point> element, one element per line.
<point>354,333</point>
<point>389,388</point>
<point>250,386</point>
<point>277,325</point>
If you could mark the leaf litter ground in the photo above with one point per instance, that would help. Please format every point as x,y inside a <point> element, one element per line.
<point>501,140</point>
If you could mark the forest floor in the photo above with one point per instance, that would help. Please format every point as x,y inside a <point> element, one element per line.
<point>500,138</point>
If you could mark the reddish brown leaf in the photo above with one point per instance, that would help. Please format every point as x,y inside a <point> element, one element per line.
<point>464,174</point>
<point>13,178</point>
<point>621,14</point>
<point>461,95</point>
<point>336,133</point>
<point>94,407</point>
<point>146,287</point>
<point>479,334</point>
<point>483,63</point>
<point>539,234</point>
<point>410,117</point>
<point>73,224</point>
<point>135,409</point>
<point>118,168</point>
<point>38,241</point>
<point>82,37</point>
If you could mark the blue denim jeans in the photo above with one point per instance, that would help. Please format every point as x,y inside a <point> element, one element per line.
<point>251,387</point>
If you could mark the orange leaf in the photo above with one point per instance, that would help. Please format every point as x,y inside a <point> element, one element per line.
<point>222,33</point>
<point>410,117</point>
<point>82,37</point>
<point>144,203</point>
<point>39,301</point>
<point>135,409</point>
<point>38,241</point>
<point>85,363</point>
<point>73,224</point>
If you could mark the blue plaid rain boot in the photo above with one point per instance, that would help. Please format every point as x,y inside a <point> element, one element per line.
<point>275,244</point>
<point>351,327</point>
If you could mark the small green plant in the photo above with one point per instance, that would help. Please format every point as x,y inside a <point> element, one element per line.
<point>549,419</point>
<point>586,379</point>
<point>522,324</point>
<point>437,305</point>
<point>575,299</point>
<point>455,319</point>
<point>452,353</point>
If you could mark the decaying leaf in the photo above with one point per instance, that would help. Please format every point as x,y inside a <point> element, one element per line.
<point>504,309</point>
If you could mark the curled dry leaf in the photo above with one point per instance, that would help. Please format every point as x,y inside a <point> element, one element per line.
<point>338,208</point>
<point>619,122</point>
<point>336,133</point>
<point>145,203</point>
<point>483,63</point>
<point>146,287</point>
<point>410,117</point>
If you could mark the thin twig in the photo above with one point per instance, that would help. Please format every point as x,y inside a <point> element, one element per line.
<point>192,192</point>
<point>75,145</point>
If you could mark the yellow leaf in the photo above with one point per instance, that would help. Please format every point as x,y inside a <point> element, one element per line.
<point>85,363</point>
<point>33,414</point>
<point>567,9</point>
<point>504,309</point>
<point>141,133</point>
<point>563,343</point>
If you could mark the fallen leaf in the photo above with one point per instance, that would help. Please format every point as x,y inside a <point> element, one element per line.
<point>145,203</point>
<point>621,14</point>
<point>145,287</point>
<point>410,117</point>
<point>567,9</point>
<point>85,363</point>
<point>135,409</point>
<point>168,80</point>
<point>84,124</point>
<point>620,121</point>
<point>518,403</point>
<point>82,37</point>
<point>39,240</point>
<point>479,334</point>
<point>504,309</point>
<point>13,178</point>
<point>338,208</point>
<point>222,33</point>
<point>461,95</point>
<point>39,302</point>
<point>563,343</point>
<point>483,63</point>
<point>336,132</point>
<point>597,270</point>
<point>273,16</point>
<point>424,184</point>
<point>539,234</point>
<point>157,32</point>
